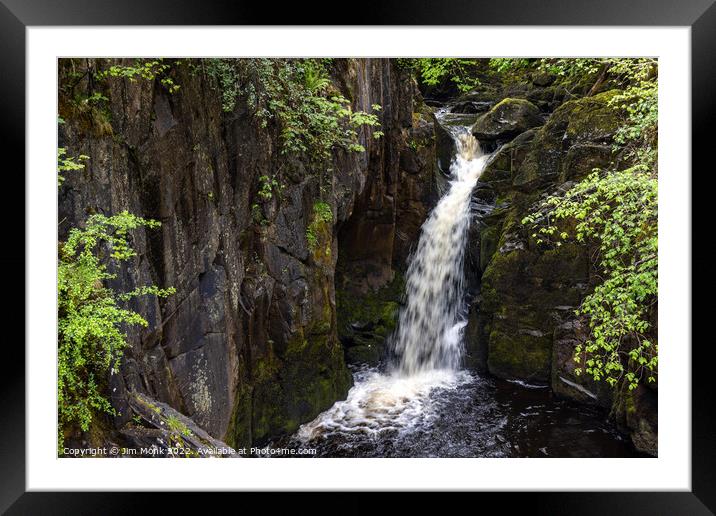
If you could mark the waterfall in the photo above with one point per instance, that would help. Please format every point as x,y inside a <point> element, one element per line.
<point>429,334</point>
<point>428,341</point>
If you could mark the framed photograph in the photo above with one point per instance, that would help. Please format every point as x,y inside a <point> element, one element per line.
<point>438,254</point>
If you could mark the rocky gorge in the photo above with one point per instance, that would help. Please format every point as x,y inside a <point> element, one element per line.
<point>289,274</point>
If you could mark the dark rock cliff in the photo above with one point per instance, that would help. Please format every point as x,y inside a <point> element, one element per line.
<point>248,346</point>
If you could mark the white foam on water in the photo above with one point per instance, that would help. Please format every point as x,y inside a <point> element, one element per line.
<point>381,402</point>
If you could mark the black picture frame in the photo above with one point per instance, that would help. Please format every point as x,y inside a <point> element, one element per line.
<point>16,15</point>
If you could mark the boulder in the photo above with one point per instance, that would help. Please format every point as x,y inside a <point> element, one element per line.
<point>523,289</point>
<point>588,119</point>
<point>506,120</point>
<point>504,164</point>
<point>636,412</point>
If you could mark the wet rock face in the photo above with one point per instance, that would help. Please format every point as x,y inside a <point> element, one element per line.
<point>637,413</point>
<point>367,320</point>
<point>445,149</point>
<point>470,107</point>
<point>248,346</point>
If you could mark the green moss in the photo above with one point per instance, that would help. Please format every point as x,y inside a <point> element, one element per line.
<point>498,277</point>
<point>311,377</point>
<point>518,355</point>
<point>368,354</point>
<point>151,406</point>
<point>238,435</point>
<point>366,320</point>
<point>498,172</point>
<point>521,289</point>
<point>488,244</point>
<point>589,118</point>
<point>177,426</point>
<point>379,307</point>
<point>319,233</point>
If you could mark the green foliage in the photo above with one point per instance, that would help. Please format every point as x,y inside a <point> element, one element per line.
<point>66,163</point>
<point>298,95</point>
<point>227,76</point>
<point>147,69</point>
<point>618,212</point>
<point>91,319</point>
<point>322,214</point>
<point>622,70</point>
<point>257,215</point>
<point>639,101</point>
<point>267,187</point>
<point>571,67</point>
<point>433,71</point>
<point>508,65</point>
<point>177,427</point>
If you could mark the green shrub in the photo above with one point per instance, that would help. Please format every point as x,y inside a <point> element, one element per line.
<point>147,69</point>
<point>267,187</point>
<point>618,212</point>
<point>509,64</point>
<point>432,71</point>
<point>322,215</point>
<point>298,95</point>
<point>92,321</point>
<point>67,163</point>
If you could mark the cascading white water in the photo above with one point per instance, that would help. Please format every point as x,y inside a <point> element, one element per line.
<point>429,334</point>
<point>428,340</point>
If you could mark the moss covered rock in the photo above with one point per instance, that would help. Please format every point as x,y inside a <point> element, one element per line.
<point>575,139</point>
<point>525,290</point>
<point>500,170</point>
<point>520,355</point>
<point>506,120</point>
<point>592,118</point>
<point>296,387</point>
<point>366,321</point>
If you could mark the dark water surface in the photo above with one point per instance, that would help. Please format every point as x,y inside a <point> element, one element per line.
<point>481,417</point>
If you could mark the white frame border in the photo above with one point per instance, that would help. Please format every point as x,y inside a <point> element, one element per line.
<point>670,471</point>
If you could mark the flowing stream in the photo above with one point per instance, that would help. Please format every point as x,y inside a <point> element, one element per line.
<point>429,333</point>
<point>423,403</point>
